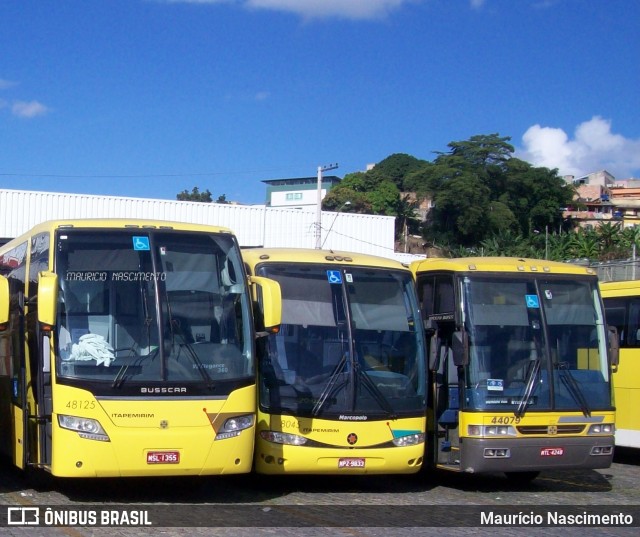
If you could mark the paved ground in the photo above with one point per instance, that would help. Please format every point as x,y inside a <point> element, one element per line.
<point>423,504</point>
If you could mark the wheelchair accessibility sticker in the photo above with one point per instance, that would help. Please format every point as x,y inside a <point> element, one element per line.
<point>141,243</point>
<point>532,301</point>
<point>334,276</point>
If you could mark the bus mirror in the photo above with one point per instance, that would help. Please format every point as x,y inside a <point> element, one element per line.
<point>47,298</point>
<point>614,346</point>
<point>460,347</point>
<point>268,298</point>
<point>4,302</point>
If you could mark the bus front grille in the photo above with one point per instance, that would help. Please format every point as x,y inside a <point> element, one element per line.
<point>551,429</point>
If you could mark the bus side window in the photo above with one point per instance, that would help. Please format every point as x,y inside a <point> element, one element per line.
<point>633,334</point>
<point>615,312</point>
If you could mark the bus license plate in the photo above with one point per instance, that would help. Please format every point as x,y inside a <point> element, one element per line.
<point>552,452</point>
<point>350,463</point>
<point>163,457</point>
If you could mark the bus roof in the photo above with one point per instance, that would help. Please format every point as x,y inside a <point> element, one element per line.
<point>497,264</point>
<point>113,223</point>
<point>620,288</point>
<point>254,256</point>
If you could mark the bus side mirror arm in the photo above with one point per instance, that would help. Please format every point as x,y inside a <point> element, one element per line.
<point>614,346</point>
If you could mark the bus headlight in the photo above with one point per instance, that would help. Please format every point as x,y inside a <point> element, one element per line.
<point>233,426</point>
<point>85,427</point>
<point>409,440</point>
<point>491,431</point>
<point>602,428</point>
<point>283,438</point>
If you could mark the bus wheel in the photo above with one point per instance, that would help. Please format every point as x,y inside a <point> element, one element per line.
<point>521,477</point>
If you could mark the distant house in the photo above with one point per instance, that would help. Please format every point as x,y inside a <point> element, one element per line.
<point>604,199</point>
<point>298,192</point>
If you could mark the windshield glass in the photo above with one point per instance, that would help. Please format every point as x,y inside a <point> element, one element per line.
<point>535,344</point>
<point>348,345</point>
<point>151,306</point>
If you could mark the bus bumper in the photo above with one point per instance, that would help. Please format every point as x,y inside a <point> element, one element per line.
<point>275,459</point>
<point>535,454</point>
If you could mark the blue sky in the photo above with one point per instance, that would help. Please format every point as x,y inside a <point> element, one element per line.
<point>147,98</point>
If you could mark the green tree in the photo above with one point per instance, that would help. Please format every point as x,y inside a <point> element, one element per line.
<point>630,238</point>
<point>584,243</point>
<point>483,150</point>
<point>396,167</point>
<point>368,193</point>
<point>339,195</point>
<point>610,238</point>
<point>479,189</point>
<point>384,198</point>
<point>506,243</point>
<point>407,221</point>
<point>535,195</point>
<point>195,195</point>
<point>459,214</point>
<point>501,218</point>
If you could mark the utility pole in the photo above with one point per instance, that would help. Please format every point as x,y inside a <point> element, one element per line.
<point>318,230</point>
<point>546,242</point>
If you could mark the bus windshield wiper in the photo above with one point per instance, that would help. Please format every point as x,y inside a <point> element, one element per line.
<point>198,363</point>
<point>191,353</point>
<point>122,376</point>
<point>330,385</point>
<point>375,391</point>
<point>529,388</point>
<point>573,387</point>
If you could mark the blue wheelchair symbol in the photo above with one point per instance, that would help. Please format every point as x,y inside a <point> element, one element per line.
<point>141,243</point>
<point>532,301</point>
<point>334,276</point>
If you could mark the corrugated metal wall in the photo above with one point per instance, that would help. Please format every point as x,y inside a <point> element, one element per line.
<point>253,225</point>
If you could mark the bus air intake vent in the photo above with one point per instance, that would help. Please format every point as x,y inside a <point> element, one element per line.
<point>552,430</point>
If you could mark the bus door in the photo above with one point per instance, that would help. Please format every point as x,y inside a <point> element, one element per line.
<point>13,377</point>
<point>446,399</point>
<point>40,428</point>
<point>42,298</point>
<point>436,293</point>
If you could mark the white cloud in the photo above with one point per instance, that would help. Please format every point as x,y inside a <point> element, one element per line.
<point>4,84</point>
<point>311,9</point>
<point>593,148</point>
<point>352,9</point>
<point>28,109</point>
<point>477,4</point>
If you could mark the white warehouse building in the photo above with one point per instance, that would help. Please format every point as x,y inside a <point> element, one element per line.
<point>254,225</point>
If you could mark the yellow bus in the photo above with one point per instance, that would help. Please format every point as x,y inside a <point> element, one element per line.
<point>128,350</point>
<point>341,386</point>
<point>622,309</point>
<point>519,366</point>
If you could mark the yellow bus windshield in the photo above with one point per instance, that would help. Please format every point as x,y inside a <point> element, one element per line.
<point>350,345</point>
<point>535,343</point>
<point>142,308</point>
